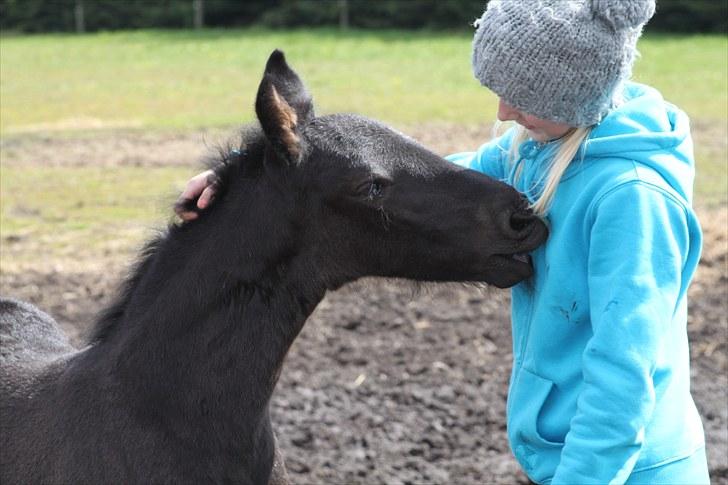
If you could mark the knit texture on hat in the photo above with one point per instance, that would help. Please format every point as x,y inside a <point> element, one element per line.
<point>560,60</point>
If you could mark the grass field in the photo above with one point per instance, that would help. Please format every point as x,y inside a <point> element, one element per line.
<point>82,214</point>
<point>91,86</point>
<point>185,79</point>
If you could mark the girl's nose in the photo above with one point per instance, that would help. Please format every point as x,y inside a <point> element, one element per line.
<point>506,112</point>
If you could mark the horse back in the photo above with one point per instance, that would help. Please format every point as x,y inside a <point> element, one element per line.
<point>27,334</point>
<point>29,340</point>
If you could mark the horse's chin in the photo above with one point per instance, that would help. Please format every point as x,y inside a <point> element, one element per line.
<point>506,270</point>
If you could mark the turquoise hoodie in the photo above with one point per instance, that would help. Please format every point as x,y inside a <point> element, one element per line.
<point>600,386</point>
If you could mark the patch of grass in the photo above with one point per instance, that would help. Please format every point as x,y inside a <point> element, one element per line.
<point>690,71</point>
<point>185,79</point>
<point>81,213</point>
<point>157,80</point>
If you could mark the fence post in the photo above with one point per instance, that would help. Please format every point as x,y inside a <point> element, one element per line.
<point>79,17</point>
<point>343,14</point>
<point>198,7</point>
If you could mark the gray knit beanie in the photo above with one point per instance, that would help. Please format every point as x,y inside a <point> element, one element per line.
<point>560,60</point>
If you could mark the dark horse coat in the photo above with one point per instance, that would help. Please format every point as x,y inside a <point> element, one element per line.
<point>174,384</point>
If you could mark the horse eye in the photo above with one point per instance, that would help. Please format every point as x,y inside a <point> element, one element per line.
<point>375,189</point>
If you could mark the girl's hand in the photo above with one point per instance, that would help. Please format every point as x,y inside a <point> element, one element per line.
<point>200,187</point>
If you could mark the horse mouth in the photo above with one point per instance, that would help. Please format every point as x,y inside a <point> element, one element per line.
<point>517,260</point>
<point>522,257</point>
<point>510,269</point>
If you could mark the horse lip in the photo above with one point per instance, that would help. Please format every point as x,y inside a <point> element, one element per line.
<point>518,259</point>
<point>510,270</point>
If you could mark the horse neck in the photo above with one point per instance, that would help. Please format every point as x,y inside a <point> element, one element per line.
<point>208,325</point>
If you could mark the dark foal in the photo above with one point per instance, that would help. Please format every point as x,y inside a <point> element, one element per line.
<point>175,382</point>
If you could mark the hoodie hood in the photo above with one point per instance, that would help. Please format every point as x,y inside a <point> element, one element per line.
<point>653,132</point>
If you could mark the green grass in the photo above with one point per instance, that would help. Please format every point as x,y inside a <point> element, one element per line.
<point>50,194</point>
<point>690,71</point>
<point>81,212</point>
<point>185,79</point>
<point>74,86</point>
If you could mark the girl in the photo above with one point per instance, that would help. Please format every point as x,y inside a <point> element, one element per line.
<point>600,386</point>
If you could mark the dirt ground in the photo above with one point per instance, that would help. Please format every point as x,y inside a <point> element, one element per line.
<point>388,382</point>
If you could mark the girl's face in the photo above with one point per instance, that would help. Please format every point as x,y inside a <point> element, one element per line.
<point>538,129</point>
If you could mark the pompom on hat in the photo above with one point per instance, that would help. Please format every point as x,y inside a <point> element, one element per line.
<point>560,60</point>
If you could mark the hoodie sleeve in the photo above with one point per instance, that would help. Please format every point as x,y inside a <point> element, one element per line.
<point>638,246</point>
<point>490,159</point>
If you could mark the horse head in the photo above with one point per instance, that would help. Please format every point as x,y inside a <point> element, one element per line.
<point>377,203</point>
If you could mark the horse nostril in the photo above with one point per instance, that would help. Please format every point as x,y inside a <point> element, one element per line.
<point>521,220</point>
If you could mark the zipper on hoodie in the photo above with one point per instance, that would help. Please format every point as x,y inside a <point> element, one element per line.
<point>518,358</point>
<point>529,150</point>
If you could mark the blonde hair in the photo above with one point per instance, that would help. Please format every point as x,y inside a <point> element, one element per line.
<point>568,146</point>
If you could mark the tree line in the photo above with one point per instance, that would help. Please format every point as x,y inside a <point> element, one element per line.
<point>94,15</point>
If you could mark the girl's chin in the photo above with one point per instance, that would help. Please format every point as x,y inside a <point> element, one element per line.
<point>537,135</point>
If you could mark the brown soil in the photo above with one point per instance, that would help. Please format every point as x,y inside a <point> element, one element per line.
<point>388,382</point>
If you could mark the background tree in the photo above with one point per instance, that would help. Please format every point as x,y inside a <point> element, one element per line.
<point>63,15</point>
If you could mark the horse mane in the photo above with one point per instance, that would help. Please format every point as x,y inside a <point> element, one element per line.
<point>244,159</point>
<point>227,163</point>
<point>109,318</point>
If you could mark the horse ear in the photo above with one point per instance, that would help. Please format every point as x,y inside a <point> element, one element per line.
<point>283,105</point>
